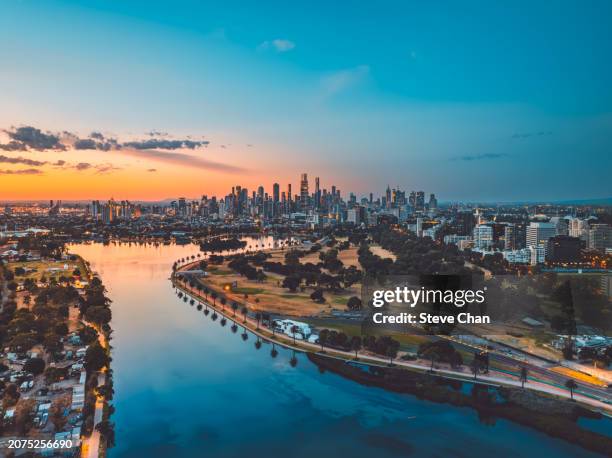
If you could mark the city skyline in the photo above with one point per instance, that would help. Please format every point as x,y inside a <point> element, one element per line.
<point>395,93</point>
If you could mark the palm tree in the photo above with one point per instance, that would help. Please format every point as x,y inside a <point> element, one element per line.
<point>273,352</point>
<point>571,386</point>
<point>206,312</point>
<point>258,318</point>
<point>214,316</point>
<point>258,343</point>
<point>475,366</point>
<point>356,344</point>
<point>523,376</point>
<point>199,307</point>
<point>294,330</point>
<point>244,312</point>
<point>191,302</point>
<point>244,335</point>
<point>234,328</point>
<point>223,302</point>
<point>234,308</point>
<point>214,296</point>
<point>223,321</point>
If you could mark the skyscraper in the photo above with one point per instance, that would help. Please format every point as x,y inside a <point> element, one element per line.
<point>304,191</point>
<point>275,192</point>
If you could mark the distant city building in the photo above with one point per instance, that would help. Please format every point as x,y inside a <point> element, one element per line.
<point>600,237</point>
<point>483,236</point>
<point>538,234</point>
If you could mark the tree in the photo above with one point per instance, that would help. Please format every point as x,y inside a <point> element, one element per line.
<point>24,415</point>
<point>234,308</point>
<point>291,283</point>
<point>356,344</point>
<point>391,353</point>
<point>96,357</point>
<point>34,365</point>
<point>244,312</point>
<point>258,318</point>
<point>571,385</point>
<point>294,331</point>
<point>475,366</point>
<point>56,412</point>
<point>354,303</point>
<point>317,296</point>
<point>323,336</point>
<point>523,376</point>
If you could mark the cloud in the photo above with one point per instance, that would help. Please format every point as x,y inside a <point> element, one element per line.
<point>30,138</point>
<point>106,168</point>
<point>160,149</point>
<point>157,143</point>
<point>531,134</point>
<point>21,160</point>
<point>21,172</point>
<point>278,45</point>
<point>83,166</point>
<point>182,159</point>
<point>151,170</point>
<point>479,157</point>
<point>344,79</point>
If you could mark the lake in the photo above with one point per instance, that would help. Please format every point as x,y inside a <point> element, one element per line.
<point>187,387</point>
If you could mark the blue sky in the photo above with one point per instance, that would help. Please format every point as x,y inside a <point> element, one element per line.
<point>471,100</point>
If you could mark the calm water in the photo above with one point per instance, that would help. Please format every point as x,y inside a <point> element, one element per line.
<point>187,387</point>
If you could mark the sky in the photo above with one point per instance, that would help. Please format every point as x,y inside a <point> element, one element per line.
<point>471,100</point>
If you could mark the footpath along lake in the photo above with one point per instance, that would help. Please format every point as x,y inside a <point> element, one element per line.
<point>187,387</point>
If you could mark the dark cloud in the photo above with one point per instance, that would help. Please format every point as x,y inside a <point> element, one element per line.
<point>13,146</point>
<point>479,157</point>
<point>29,137</point>
<point>151,170</point>
<point>96,135</point>
<point>59,163</point>
<point>21,172</point>
<point>159,143</point>
<point>21,160</point>
<point>88,143</point>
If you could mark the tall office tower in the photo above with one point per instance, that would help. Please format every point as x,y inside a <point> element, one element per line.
<point>509,237</point>
<point>483,236</point>
<point>371,198</point>
<point>420,200</point>
<point>600,237</point>
<point>304,191</point>
<point>539,233</point>
<point>317,193</point>
<point>388,197</point>
<point>412,199</point>
<point>275,192</point>
<point>433,202</point>
<point>182,206</point>
<point>289,195</point>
